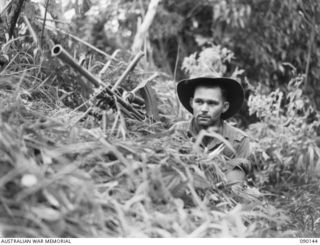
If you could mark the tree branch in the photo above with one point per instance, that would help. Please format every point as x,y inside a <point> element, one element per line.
<point>44,22</point>
<point>313,30</point>
<point>143,28</point>
<point>15,17</point>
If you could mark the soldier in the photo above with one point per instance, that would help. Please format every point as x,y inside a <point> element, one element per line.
<point>212,100</point>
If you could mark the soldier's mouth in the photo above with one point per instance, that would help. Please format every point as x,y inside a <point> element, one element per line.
<point>203,118</point>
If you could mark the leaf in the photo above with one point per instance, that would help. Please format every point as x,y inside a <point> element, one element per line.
<point>300,164</point>
<point>204,133</point>
<point>174,180</point>
<point>30,10</point>
<point>252,192</point>
<point>46,213</point>
<point>265,156</point>
<point>311,157</point>
<point>51,199</point>
<point>216,152</point>
<point>199,179</point>
<point>317,168</point>
<point>46,156</point>
<point>29,180</point>
<point>201,230</point>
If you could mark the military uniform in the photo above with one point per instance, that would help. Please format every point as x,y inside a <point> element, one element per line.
<point>234,95</point>
<point>237,138</point>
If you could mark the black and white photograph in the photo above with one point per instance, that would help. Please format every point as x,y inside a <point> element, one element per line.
<point>159,119</point>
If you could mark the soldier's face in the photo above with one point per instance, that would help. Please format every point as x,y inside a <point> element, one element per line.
<point>208,104</point>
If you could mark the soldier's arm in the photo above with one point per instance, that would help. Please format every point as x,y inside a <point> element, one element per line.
<point>243,150</point>
<point>243,154</point>
<point>241,164</point>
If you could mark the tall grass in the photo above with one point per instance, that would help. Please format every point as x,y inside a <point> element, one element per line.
<point>58,180</point>
<point>64,174</point>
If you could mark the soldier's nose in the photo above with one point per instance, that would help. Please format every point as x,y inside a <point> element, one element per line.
<point>204,108</point>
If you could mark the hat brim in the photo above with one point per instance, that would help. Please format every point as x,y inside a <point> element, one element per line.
<point>235,94</point>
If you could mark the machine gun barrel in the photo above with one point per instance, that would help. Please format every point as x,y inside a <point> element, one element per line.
<point>61,53</point>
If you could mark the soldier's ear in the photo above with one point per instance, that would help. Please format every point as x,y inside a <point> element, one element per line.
<point>190,101</point>
<point>226,106</point>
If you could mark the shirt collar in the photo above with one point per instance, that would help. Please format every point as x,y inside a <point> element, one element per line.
<point>227,131</point>
<point>194,128</point>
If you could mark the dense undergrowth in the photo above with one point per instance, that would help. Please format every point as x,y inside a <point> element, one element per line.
<point>73,181</point>
<point>66,174</point>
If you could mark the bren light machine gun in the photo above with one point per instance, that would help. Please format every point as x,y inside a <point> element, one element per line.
<point>139,104</point>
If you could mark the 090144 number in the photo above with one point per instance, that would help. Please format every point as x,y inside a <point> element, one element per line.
<point>308,240</point>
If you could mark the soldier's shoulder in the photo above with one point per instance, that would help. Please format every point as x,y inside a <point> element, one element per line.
<point>235,133</point>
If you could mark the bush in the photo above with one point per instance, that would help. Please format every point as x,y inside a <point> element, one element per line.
<point>285,138</point>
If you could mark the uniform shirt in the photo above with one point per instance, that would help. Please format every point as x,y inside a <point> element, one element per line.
<point>237,138</point>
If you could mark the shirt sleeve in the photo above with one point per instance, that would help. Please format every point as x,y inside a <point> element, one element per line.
<point>243,150</point>
<point>243,155</point>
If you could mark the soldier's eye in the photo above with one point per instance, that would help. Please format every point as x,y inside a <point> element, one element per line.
<point>213,103</point>
<point>198,101</point>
